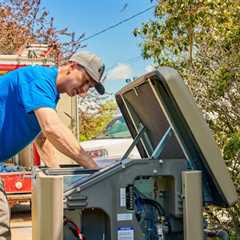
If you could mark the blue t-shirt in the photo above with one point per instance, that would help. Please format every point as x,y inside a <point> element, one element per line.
<point>21,92</point>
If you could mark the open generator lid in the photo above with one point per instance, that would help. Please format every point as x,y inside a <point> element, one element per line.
<point>160,105</point>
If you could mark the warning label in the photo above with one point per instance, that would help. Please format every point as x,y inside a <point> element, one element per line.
<point>126,233</point>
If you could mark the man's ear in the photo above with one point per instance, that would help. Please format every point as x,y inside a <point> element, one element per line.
<point>71,66</point>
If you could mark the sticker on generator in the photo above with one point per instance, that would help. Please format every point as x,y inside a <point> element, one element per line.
<point>122,197</point>
<point>124,216</point>
<point>126,233</point>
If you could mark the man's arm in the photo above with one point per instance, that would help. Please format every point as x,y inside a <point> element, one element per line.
<point>61,137</point>
<point>46,151</point>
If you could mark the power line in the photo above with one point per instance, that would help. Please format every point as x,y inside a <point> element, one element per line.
<point>117,24</point>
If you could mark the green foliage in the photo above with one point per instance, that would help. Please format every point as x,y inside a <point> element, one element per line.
<point>201,39</point>
<point>92,125</point>
<point>180,27</point>
<point>232,146</point>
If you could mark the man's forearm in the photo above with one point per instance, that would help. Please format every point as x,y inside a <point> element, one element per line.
<point>46,151</point>
<point>62,138</point>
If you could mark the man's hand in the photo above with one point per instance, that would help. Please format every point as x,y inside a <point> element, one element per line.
<point>62,138</point>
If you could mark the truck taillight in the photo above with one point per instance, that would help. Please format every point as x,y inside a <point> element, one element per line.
<point>18,185</point>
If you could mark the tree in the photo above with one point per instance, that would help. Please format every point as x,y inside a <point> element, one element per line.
<point>201,39</point>
<point>24,21</point>
<point>95,118</point>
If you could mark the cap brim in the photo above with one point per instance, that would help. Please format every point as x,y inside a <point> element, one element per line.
<point>100,88</point>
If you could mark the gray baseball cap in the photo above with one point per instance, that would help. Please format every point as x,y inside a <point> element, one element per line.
<point>93,65</point>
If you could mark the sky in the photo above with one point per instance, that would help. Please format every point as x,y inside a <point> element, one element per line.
<point>118,48</point>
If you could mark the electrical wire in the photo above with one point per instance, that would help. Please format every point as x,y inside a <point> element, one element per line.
<point>141,200</point>
<point>73,228</point>
<point>154,203</point>
<point>150,201</point>
<point>117,24</point>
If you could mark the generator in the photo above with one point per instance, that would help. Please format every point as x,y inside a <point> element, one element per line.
<point>158,196</point>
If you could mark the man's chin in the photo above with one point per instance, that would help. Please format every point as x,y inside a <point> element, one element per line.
<point>69,94</point>
<point>72,93</point>
<point>82,94</point>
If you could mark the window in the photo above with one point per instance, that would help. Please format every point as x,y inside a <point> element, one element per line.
<point>117,128</point>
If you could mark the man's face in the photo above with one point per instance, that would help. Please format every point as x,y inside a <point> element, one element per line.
<point>78,81</point>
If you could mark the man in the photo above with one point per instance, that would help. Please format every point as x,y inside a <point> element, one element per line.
<point>28,99</point>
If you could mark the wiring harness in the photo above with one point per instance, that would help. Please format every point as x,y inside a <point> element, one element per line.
<point>151,217</point>
<point>74,229</point>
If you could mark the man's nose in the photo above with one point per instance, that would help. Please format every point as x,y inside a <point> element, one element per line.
<point>86,87</point>
<point>84,91</point>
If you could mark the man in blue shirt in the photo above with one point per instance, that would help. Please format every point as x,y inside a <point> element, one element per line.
<point>28,99</point>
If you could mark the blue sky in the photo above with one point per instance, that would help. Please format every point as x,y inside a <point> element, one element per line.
<point>117,47</point>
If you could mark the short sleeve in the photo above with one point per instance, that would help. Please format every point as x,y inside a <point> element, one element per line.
<point>36,94</point>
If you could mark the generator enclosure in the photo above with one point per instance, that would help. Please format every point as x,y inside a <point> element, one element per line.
<point>142,199</point>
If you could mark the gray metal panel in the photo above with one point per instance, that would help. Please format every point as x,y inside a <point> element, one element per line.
<point>144,106</point>
<point>102,190</point>
<point>160,99</point>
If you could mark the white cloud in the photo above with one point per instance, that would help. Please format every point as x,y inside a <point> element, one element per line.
<point>121,71</point>
<point>149,68</point>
